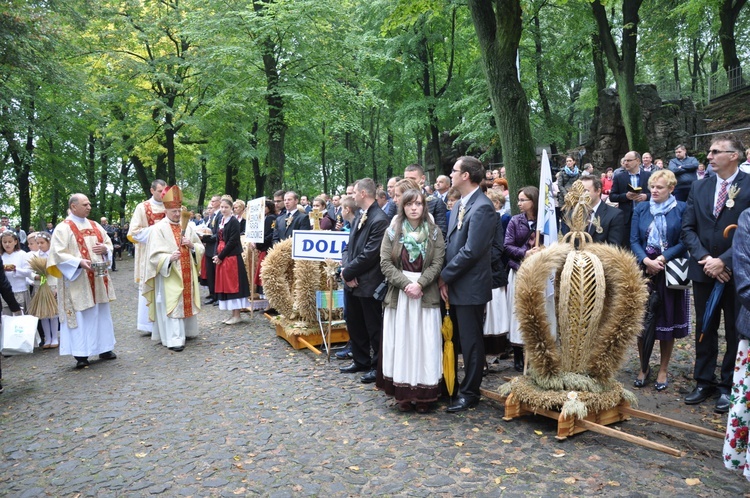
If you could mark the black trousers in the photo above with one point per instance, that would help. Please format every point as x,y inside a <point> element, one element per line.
<point>707,349</point>
<point>468,321</point>
<point>364,320</point>
<point>210,252</point>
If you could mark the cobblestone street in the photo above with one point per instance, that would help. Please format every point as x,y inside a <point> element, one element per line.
<point>239,412</point>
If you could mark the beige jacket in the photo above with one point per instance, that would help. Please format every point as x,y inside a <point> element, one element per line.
<point>431,268</point>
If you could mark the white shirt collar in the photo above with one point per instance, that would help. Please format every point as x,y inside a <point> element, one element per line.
<point>466,198</point>
<point>154,201</point>
<point>77,219</point>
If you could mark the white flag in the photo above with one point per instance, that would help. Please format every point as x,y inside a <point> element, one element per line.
<point>546,216</point>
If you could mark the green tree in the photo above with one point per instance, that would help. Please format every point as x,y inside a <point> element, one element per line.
<point>498,28</point>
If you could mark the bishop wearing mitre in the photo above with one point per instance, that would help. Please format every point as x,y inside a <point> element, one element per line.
<point>171,288</point>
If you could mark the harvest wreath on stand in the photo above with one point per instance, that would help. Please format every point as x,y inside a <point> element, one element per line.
<point>572,370</point>
<point>290,286</point>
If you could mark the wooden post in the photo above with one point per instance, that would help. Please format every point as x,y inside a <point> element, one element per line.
<point>330,318</point>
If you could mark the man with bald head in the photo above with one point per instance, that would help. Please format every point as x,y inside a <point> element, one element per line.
<point>442,185</point>
<point>77,247</point>
<point>629,187</point>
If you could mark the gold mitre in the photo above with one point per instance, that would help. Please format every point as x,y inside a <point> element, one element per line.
<point>172,197</point>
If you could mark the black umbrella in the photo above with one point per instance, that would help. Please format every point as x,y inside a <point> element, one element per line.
<point>648,338</point>
<point>711,304</point>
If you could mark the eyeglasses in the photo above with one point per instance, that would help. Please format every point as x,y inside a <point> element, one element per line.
<point>523,200</point>
<point>715,152</point>
<point>457,170</point>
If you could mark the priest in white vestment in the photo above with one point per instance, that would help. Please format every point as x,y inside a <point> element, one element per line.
<point>77,246</point>
<point>171,287</point>
<point>146,214</point>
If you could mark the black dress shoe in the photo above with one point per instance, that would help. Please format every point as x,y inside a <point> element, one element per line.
<point>344,354</point>
<point>369,377</point>
<point>109,355</point>
<point>462,404</point>
<point>210,300</point>
<point>177,348</point>
<point>722,404</point>
<point>699,395</point>
<point>82,363</point>
<point>353,368</point>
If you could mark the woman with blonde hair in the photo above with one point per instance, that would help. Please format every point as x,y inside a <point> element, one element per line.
<point>238,208</point>
<point>411,257</point>
<point>655,239</point>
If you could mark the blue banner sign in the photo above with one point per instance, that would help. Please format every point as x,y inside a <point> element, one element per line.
<point>318,245</point>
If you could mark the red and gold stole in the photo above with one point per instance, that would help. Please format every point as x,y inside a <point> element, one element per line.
<point>84,250</point>
<point>152,217</point>
<point>185,265</point>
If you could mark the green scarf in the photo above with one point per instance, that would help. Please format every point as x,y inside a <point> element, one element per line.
<point>414,240</point>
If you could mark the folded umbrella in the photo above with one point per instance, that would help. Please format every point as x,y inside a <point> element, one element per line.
<point>449,357</point>
<point>648,338</point>
<point>711,304</point>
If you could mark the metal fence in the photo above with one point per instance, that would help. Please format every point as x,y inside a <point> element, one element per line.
<point>716,85</point>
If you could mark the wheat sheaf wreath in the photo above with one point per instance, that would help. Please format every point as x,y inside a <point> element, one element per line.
<point>290,285</point>
<point>576,371</point>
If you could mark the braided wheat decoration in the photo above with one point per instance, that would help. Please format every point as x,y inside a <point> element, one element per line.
<point>578,373</point>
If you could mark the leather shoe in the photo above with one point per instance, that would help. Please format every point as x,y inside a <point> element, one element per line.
<point>462,404</point>
<point>344,354</point>
<point>699,395</point>
<point>210,300</point>
<point>369,377</point>
<point>109,355</point>
<point>353,368</point>
<point>177,348</point>
<point>722,404</point>
<point>82,363</point>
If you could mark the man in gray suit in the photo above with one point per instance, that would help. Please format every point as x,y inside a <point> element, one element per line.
<point>466,280</point>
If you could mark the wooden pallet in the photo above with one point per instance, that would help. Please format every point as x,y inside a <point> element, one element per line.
<point>598,422</point>
<point>339,334</point>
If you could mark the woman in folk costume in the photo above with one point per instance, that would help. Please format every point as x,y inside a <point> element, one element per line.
<point>519,243</point>
<point>497,321</point>
<point>50,323</point>
<point>174,254</point>
<point>17,268</point>
<point>411,257</point>
<point>232,288</point>
<point>269,223</point>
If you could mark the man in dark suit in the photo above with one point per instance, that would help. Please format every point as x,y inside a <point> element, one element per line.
<point>713,204</point>
<point>625,185</point>
<point>209,242</point>
<point>607,224</point>
<point>292,219</point>
<point>435,206</point>
<point>466,279</point>
<point>361,274</point>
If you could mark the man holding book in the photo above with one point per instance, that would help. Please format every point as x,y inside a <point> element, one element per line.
<point>629,187</point>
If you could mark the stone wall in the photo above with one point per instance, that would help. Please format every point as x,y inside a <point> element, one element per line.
<point>667,124</point>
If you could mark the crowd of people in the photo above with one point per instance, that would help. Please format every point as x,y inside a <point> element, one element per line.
<point>416,252</point>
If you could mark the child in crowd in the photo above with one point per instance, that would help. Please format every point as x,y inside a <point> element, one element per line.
<point>50,325</point>
<point>17,269</point>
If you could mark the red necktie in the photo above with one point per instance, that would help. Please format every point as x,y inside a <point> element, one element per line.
<point>721,199</point>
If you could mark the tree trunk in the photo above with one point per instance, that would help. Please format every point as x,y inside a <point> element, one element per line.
<point>391,151</point>
<point>537,32</point>
<point>103,182</point>
<point>124,176</point>
<point>728,14</point>
<point>170,146</point>
<point>600,70</point>
<point>231,183</point>
<point>498,26</point>
<point>623,67</point>
<point>323,165</point>
<point>204,184</point>
<point>91,171</point>
<point>260,178</point>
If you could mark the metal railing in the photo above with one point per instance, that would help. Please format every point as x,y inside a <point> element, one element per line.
<point>716,85</point>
